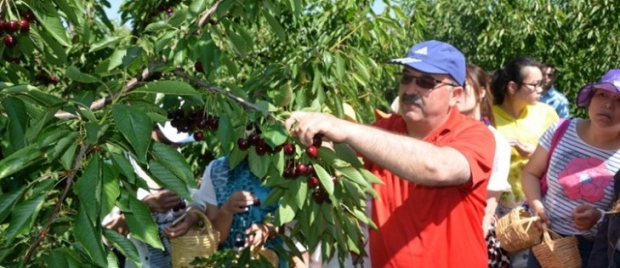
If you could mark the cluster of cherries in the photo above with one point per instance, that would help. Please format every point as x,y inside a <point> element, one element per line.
<point>292,170</point>
<point>193,120</point>
<point>13,27</point>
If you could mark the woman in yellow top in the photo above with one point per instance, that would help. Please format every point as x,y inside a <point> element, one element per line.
<point>520,118</point>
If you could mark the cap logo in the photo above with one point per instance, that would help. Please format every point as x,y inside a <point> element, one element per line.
<point>423,51</point>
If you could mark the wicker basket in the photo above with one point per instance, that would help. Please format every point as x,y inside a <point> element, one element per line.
<point>516,231</point>
<point>197,242</point>
<point>557,252</point>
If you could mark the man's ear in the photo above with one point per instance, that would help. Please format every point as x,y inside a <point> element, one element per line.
<point>457,94</point>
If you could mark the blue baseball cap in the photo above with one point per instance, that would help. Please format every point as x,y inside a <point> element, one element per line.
<point>435,57</point>
<point>610,82</point>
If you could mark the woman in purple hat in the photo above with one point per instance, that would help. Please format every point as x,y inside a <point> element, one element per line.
<point>584,155</point>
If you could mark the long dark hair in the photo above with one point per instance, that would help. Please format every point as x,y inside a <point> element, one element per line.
<point>479,81</point>
<point>513,71</point>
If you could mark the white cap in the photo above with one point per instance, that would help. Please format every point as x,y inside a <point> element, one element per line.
<point>173,135</point>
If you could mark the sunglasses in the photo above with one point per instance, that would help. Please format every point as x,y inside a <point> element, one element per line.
<point>424,81</point>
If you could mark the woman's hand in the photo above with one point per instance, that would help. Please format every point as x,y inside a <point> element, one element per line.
<point>539,211</point>
<point>183,226</point>
<point>522,148</point>
<point>162,201</point>
<point>585,217</point>
<point>238,202</point>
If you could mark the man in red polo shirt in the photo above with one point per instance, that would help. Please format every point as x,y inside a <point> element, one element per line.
<point>435,164</point>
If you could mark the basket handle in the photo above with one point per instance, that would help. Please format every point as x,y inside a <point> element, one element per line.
<point>549,235</point>
<point>207,223</point>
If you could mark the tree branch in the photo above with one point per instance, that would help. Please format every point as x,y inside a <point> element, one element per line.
<point>77,162</point>
<point>129,86</point>
<point>217,89</point>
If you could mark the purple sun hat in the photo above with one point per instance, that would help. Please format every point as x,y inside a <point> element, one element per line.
<point>610,82</point>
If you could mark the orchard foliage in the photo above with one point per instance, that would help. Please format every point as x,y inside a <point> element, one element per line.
<point>578,37</point>
<point>79,93</point>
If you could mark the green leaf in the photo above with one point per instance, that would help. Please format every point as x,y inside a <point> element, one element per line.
<point>197,6</point>
<point>274,197</point>
<point>124,166</point>
<point>89,236</point>
<point>277,160</point>
<point>135,126</point>
<point>8,200</point>
<point>174,162</point>
<point>141,224</point>
<point>301,194</point>
<point>275,25</point>
<point>124,245</point>
<point>370,177</point>
<point>74,73</point>
<point>92,132</point>
<point>237,43</point>
<point>325,178</point>
<point>354,175</point>
<point>284,214</point>
<point>259,165</point>
<point>178,17</point>
<point>37,125</point>
<point>18,120</point>
<point>44,98</point>
<point>22,216</point>
<point>156,27</point>
<point>224,129</point>
<point>50,21</point>
<point>62,258</point>
<point>66,159</point>
<point>168,87</point>
<point>236,156</point>
<point>164,177</point>
<point>110,189</point>
<point>107,42</point>
<point>275,135</point>
<point>88,188</point>
<point>346,153</point>
<point>20,160</point>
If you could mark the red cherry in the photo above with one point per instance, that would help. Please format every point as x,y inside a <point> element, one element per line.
<point>198,67</point>
<point>10,41</point>
<point>15,60</point>
<point>24,25</point>
<point>302,169</point>
<point>257,202</point>
<point>11,26</point>
<point>169,11</point>
<point>290,173</point>
<point>310,169</point>
<point>202,124</point>
<point>317,140</point>
<point>243,144</point>
<point>3,25</point>
<point>29,16</point>
<point>198,136</point>
<point>335,180</point>
<point>253,138</point>
<point>312,151</point>
<point>319,197</point>
<point>313,182</point>
<point>289,149</point>
<point>54,79</point>
<point>260,150</point>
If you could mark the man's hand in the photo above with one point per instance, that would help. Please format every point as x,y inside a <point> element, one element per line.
<point>585,217</point>
<point>305,125</point>
<point>162,201</point>
<point>183,226</point>
<point>238,202</point>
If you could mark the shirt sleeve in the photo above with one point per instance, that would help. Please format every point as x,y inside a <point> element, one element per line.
<point>563,110</point>
<point>206,193</point>
<point>501,164</point>
<point>477,144</point>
